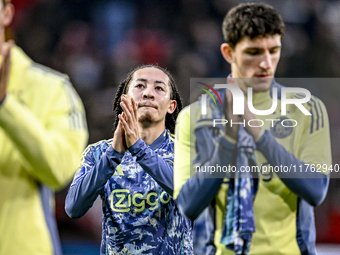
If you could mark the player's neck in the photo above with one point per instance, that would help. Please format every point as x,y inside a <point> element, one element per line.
<point>150,133</point>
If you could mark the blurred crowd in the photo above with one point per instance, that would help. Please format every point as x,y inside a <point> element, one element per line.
<point>97,42</point>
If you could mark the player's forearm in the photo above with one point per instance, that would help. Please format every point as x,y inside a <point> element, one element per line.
<point>88,183</point>
<point>200,190</point>
<point>196,194</point>
<point>307,184</point>
<point>160,170</point>
<point>52,154</point>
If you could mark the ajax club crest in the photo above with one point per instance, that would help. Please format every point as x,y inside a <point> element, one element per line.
<point>280,131</point>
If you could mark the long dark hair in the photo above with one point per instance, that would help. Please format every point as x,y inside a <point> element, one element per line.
<point>253,20</point>
<point>170,119</point>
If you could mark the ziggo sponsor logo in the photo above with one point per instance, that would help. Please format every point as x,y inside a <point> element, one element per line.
<point>122,200</point>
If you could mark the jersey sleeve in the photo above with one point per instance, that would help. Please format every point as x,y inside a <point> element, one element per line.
<point>90,179</point>
<point>50,148</point>
<point>183,149</point>
<point>195,190</point>
<point>315,145</point>
<point>308,179</point>
<point>160,170</point>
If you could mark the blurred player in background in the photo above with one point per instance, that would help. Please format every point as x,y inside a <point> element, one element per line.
<point>42,134</point>
<point>281,217</point>
<point>133,172</point>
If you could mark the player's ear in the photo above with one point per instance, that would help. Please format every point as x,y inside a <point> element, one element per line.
<point>7,15</point>
<point>172,107</point>
<point>227,52</point>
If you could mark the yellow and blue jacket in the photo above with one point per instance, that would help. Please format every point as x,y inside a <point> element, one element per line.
<point>42,134</point>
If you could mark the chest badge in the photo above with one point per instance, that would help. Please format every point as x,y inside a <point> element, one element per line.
<point>280,131</point>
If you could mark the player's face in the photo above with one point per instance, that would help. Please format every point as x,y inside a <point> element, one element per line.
<point>150,88</point>
<point>254,61</point>
<point>6,16</point>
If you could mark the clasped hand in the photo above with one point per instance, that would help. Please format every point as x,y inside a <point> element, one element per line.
<point>127,131</point>
<point>232,129</point>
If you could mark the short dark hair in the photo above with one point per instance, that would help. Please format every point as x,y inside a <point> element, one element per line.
<point>6,1</point>
<point>252,20</point>
<point>170,119</point>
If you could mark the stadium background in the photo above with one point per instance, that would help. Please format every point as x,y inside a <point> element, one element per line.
<point>97,42</point>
